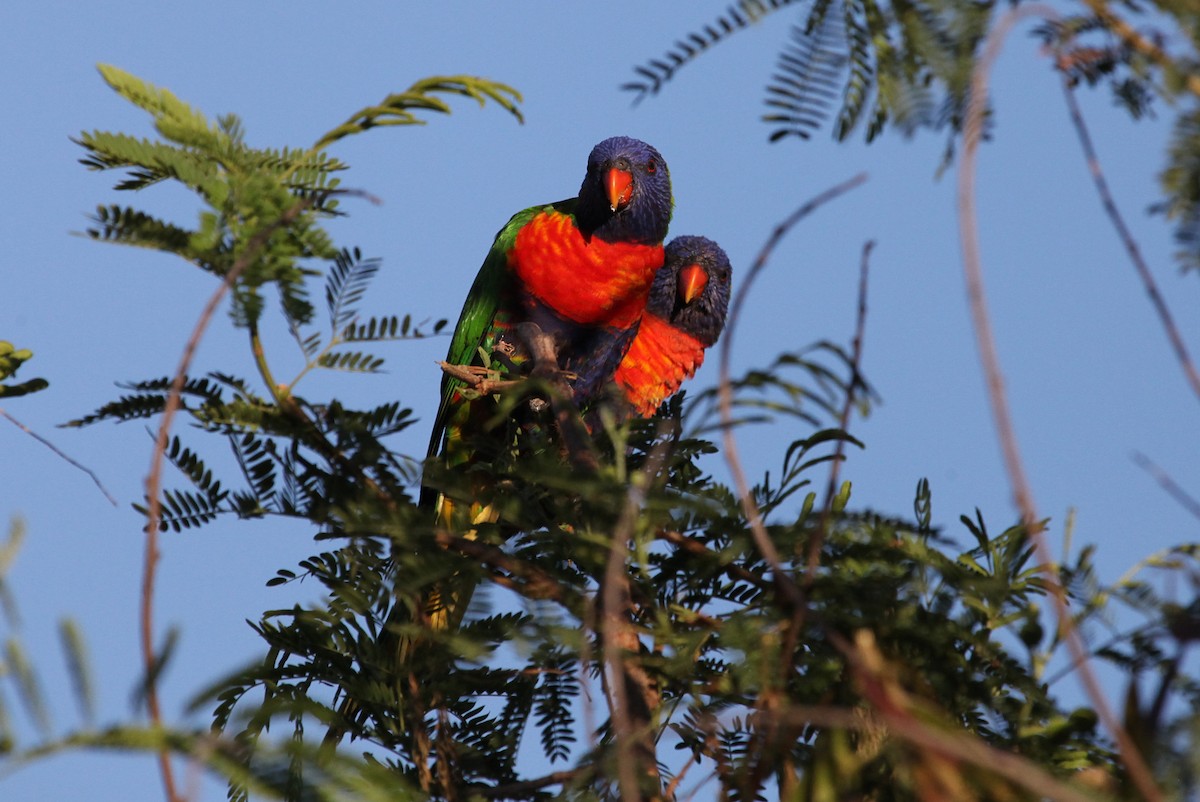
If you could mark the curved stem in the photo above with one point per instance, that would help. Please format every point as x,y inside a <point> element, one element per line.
<point>264,370</point>
<point>1006,432</point>
<point>154,480</point>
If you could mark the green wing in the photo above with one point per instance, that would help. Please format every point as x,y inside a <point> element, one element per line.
<point>491,286</point>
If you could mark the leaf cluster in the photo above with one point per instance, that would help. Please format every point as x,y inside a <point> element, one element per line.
<point>11,359</point>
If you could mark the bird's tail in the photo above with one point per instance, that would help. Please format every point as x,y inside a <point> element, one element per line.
<point>448,601</point>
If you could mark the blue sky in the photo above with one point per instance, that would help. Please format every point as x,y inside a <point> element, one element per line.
<point>1089,373</point>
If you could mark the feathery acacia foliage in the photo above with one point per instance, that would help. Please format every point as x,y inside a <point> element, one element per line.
<point>905,63</point>
<point>626,616</point>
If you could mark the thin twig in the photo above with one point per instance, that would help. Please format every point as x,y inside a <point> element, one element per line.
<point>1167,483</point>
<point>831,489</point>
<point>60,453</point>
<point>1131,246</point>
<point>154,478</point>
<point>1022,493</point>
<point>762,540</point>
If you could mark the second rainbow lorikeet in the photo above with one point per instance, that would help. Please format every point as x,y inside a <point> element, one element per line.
<point>684,316</point>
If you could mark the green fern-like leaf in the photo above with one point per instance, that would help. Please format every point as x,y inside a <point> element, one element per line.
<point>387,419</point>
<point>808,75</point>
<point>193,467</point>
<point>1181,183</point>
<point>184,509</point>
<point>909,63</point>
<point>655,73</point>
<point>256,457</point>
<point>28,686</point>
<point>398,109</point>
<point>159,102</point>
<point>390,328</point>
<point>128,407</point>
<point>353,361</point>
<point>129,226</point>
<point>149,162</point>
<point>346,284</point>
<point>555,693</point>
<point>78,668</point>
<point>861,79</point>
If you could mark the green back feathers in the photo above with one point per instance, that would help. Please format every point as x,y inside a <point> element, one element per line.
<point>493,283</point>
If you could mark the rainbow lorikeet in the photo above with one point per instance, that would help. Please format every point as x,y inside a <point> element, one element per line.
<point>684,316</point>
<point>580,269</point>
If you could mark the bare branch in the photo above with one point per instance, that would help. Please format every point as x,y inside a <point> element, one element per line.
<point>60,453</point>
<point>1131,246</point>
<point>831,489</point>
<point>633,693</point>
<point>784,583</point>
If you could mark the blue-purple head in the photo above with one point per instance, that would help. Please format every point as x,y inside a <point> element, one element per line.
<point>691,290</point>
<point>626,194</point>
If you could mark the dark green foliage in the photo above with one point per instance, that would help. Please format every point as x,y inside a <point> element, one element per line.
<point>400,108</point>
<point>1181,180</point>
<point>962,626</point>
<point>558,689</point>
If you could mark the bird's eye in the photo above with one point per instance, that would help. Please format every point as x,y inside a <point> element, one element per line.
<point>651,168</point>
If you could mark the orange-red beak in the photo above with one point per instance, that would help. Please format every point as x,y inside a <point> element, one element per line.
<point>619,184</point>
<point>692,280</point>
